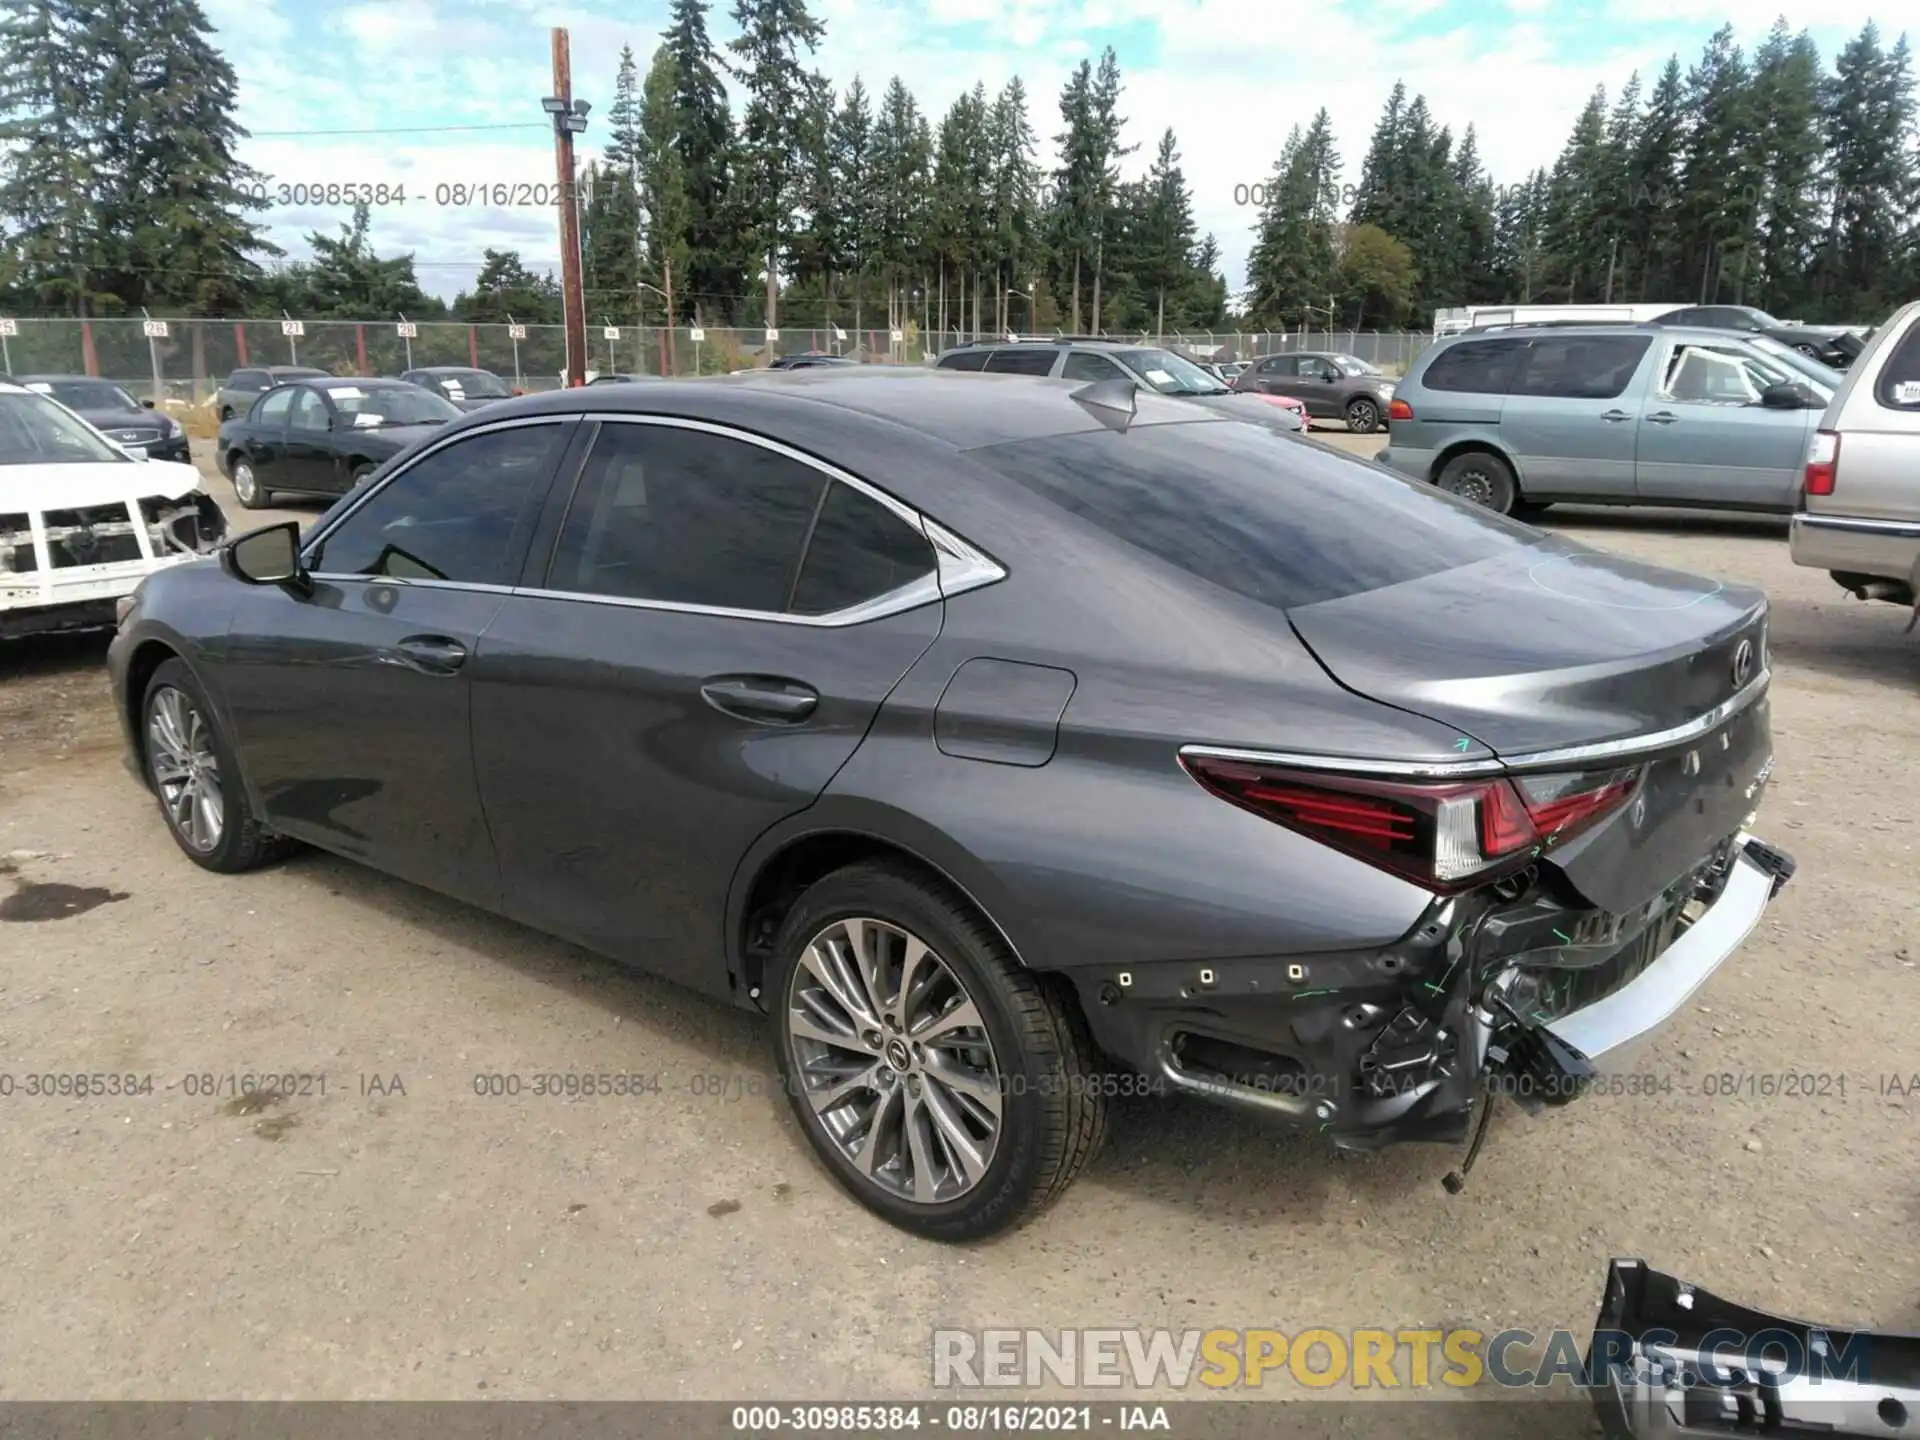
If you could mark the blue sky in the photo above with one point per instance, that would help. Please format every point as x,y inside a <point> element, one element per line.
<point>1230,77</point>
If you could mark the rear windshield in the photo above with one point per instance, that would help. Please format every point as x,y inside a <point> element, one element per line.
<point>1277,520</point>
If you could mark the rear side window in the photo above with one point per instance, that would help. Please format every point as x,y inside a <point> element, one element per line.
<point>1255,513</point>
<point>1579,367</point>
<point>1089,365</point>
<point>1021,362</point>
<point>963,360</point>
<point>1899,385</point>
<point>1474,367</point>
<point>248,380</point>
<point>860,550</point>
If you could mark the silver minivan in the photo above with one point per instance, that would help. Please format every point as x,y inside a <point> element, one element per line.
<point>1860,516</point>
<point>1624,414</point>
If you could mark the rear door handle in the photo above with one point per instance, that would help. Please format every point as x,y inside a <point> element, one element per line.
<point>1663,417</point>
<point>433,654</point>
<point>1615,415</point>
<point>764,699</point>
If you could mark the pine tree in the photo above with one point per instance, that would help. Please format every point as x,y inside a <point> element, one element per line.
<point>715,269</point>
<point>1613,206</point>
<point>1720,175</point>
<point>610,226</point>
<point>505,290</point>
<point>1869,110</point>
<point>855,182</point>
<point>1653,198</point>
<point>1786,84</point>
<point>49,163</point>
<point>1479,280</point>
<point>663,185</point>
<point>816,245</point>
<point>1108,127</point>
<point>1012,218</point>
<point>1164,258</point>
<point>902,162</point>
<point>1291,271</point>
<point>774,34</point>
<point>1380,195</point>
<point>1576,250</point>
<point>1077,187</point>
<point>348,281</point>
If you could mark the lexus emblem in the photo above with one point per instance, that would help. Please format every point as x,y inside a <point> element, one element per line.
<point>1743,665</point>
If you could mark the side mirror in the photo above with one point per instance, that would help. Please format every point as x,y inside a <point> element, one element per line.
<point>269,556</point>
<point>1788,396</point>
<point>147,404</point>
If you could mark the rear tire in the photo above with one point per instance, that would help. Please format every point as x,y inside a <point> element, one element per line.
<point>909,1129</point>
<point>194,773</point>
<point>1363,416</point>
<point>1482,477</point>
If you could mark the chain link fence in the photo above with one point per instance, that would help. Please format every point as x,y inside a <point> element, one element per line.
<point>194,357</point>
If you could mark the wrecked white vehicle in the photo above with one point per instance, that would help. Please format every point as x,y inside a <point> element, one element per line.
<point>82,521</point>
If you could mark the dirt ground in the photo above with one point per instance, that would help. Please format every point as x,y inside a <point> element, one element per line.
<point>396,1235</point>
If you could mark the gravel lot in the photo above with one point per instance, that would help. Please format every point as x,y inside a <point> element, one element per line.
<point>364,1242</point>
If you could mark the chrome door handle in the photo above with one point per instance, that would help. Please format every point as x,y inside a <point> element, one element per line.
<point>1663,417</point>
<point>1615,415</point>
<point>764,699</point>
<point>432,654</point>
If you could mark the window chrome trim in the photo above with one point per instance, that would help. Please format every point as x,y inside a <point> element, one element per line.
<point>959,566</point>
<point>1633,745</point>
<point>320,534</point>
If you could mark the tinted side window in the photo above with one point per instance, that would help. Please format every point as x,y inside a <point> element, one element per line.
<point>1086,365</point>
<point>964,360</point>
<point>248,380</point>
<point>451,516</point>
<point>1277,366</point>
<point>1021,362</point>
<point>1693,316</point>
<point>273,409</point>
<point>1477,367</point>
<point>309,411</point>
<point>686,517</point>
<point>1580,367</point>
<point>1898,387</point>
<point>1253,512</point>
<point>860,550</point>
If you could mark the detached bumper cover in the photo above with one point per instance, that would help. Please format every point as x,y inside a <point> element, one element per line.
<point>1755,874</point>
<point>1669,1359</point>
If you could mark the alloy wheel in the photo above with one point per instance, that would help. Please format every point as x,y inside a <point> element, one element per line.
<point>243,482</point>
<point>892,1056</point>
<point>1363,417</point>
<point>185,768</point>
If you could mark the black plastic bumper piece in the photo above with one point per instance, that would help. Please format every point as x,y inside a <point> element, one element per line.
<point>1670,1359</point>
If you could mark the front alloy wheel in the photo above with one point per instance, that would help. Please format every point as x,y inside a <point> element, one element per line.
<point>893,1056</point>
<point>246,485</point>
<point>186,771</point>
<point>1363,417</point>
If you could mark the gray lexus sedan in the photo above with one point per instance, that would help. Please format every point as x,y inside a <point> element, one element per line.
<point>1009,745</point>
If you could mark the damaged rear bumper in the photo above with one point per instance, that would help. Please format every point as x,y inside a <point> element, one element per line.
<point>1525,995</point>
<point>1669,1359</point>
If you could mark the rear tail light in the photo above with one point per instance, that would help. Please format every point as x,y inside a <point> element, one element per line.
<point>1399,410</point>
<point>1444,836</point>
<point>1823,463</point>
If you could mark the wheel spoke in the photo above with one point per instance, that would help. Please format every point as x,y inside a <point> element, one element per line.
<point>887,1108</point>
<point>911,966</point>
<point>968,1158</point>
<point>806,1019</point>
<point>828,1096</point>
<point>964,1016</point>
<point>820,962</point>
<point>981,1090</point>
<point>864,943</point>
<point>925,1180</point>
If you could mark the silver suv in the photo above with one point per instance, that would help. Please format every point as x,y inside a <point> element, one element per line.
<point>1860,516</point>
<point>1522,416</point>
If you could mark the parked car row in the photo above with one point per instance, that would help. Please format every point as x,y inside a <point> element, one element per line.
<point>136,426</point>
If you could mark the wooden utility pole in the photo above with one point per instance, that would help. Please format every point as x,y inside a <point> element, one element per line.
<point>572,300</point>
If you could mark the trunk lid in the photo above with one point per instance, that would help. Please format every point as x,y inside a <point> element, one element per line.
<point>1554,648</point>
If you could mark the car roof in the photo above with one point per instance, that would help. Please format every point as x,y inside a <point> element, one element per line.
<point>964,410</point>
<point>1590,327</point>
<point>49,379</point>
<point>357,382</point>
<point>450,370</point>
<point>1063,342</point>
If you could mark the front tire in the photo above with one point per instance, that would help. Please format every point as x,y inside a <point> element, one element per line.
<point>1481,477</point>
<point>195,775</point>
<point>1363,416</point>
<point>246,484</point>
<point>938,1080</point>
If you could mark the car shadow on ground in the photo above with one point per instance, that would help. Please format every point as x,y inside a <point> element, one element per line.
<point>1183,1153</point>
<point>1647,517</point>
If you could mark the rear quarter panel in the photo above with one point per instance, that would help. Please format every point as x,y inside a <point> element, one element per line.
<point>1879,474</point>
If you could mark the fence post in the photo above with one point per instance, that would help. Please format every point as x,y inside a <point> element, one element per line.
<point>473,347</point>
<point>88,359</point>
<point>240,340</point>
<point>360,347</point>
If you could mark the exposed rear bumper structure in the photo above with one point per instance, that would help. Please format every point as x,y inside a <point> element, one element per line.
<point>1378,1047</point>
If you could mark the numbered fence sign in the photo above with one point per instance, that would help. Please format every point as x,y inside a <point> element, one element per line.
<point>899,336</point>
<point>154,329</point>
<point>407,330</point>
<point>295,328</point>
<point>9,327</point>
<point>773,335</point>
<point>696,333</point>
<point>516,332</point>
<point>838,333</point>
<point>610,332</point>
